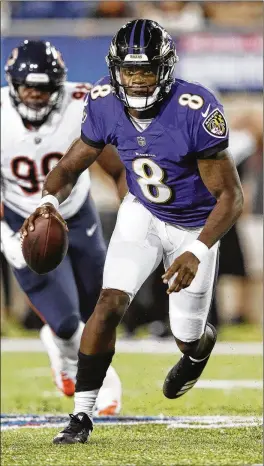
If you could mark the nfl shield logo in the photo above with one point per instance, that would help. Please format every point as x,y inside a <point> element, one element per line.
<point>141,141</point>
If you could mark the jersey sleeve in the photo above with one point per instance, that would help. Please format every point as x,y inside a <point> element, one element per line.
<point>92,132</point>
<point>210,130</point>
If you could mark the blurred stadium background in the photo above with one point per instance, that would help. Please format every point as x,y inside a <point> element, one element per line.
<point>220,44</point>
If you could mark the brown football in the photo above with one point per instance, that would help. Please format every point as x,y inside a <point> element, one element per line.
<point>46,246</point>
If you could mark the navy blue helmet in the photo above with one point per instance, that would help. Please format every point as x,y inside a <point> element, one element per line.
<point>139,43</point>
<point>40,65</point>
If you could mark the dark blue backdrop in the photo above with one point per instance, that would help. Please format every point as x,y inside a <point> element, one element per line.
<point>84,57</point>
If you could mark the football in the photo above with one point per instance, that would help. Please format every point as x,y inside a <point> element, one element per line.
<point>46,246</point>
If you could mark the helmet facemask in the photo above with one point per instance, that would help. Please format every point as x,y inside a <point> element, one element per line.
<point>31,114</point>
<point>164,69</point>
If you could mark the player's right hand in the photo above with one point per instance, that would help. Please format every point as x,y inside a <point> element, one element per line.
<point>11,248</point>
<point>43,211</point>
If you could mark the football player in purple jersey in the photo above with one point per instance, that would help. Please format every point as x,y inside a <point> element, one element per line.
<point>184,195</point>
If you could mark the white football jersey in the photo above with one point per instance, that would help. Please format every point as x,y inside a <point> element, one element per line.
<point>28,155</point>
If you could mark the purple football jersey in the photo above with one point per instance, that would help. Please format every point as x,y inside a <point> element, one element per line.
<point>161,161</point>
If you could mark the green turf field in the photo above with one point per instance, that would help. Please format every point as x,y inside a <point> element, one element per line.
<point>139,445</point>
<point>27,388</point>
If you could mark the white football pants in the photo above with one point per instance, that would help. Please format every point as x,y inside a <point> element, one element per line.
<point>138,244</point>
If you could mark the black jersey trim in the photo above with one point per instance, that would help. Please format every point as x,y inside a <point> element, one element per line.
<point>89,142</point>
<point>211,151</point>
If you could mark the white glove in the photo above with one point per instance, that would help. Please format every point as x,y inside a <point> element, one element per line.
<point>11,247</point>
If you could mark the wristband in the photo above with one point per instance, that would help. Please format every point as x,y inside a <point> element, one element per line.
<point>50,199</point>
<point>199,249</point>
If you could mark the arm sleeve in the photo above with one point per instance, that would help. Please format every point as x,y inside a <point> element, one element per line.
<point>210,130</point>
<point>92,132</point>
<point>242,145</point>
<point>6,233</point>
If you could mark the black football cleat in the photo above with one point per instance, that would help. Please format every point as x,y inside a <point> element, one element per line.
<point>78,430</point>
<point>184,375</point>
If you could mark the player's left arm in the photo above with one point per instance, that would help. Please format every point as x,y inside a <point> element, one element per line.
<point>110,162</point>
<point>220,176</point>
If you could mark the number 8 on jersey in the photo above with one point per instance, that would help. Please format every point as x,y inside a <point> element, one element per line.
<point>150,180</point>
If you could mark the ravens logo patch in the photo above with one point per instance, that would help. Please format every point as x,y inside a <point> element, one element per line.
<point>215,124</point>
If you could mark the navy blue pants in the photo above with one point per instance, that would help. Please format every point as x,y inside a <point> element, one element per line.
<point>70,292</point>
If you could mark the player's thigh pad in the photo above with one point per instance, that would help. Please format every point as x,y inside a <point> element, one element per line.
<point>189,308</point>
<point>135,249</point>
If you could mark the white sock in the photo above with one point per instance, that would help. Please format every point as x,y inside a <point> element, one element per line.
<point>69,348</point>
<point>47,338</point>
<point>110,391</point>
<point>84,402</point>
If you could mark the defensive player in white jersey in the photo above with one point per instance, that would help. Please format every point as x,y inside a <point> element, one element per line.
<point>41,116</point>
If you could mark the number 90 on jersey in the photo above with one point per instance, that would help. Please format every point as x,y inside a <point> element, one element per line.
<point>150,179</point>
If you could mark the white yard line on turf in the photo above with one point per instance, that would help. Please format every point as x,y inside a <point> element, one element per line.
<point>216,384</point>
<point>14,345</point>
<point>229,384</point>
